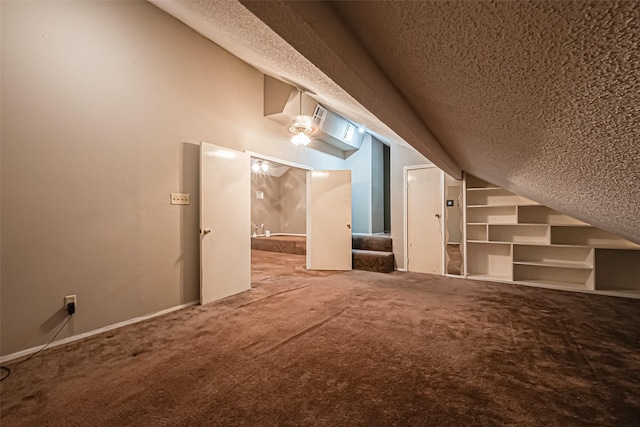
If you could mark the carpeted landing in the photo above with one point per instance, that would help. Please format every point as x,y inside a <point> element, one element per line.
<point>351,348</point>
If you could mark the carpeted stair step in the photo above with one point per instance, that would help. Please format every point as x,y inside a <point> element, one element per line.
<point>377,261</point>
<point>372,243</point>
<point>282,244</point>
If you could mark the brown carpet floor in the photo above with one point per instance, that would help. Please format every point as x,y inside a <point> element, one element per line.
<point>350,348</point>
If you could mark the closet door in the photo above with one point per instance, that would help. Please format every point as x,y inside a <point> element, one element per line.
<point>424,222</point>
<point>329,220</point>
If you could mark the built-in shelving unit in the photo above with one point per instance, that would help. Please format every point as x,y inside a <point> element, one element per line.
<point>512,238</point>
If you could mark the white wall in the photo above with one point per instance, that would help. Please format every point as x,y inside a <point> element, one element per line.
<point>103,107</point>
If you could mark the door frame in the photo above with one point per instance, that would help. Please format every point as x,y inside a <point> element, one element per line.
<point>263,157</point>
<point>405,218</point>
<point>463,243</point>
<point>282,162</point>
<point>277,160</point>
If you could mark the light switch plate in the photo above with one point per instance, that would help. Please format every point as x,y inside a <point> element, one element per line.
<point>180,199</point>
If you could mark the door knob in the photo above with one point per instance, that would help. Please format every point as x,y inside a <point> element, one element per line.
<point>205,231</point>
<point>349,226</point>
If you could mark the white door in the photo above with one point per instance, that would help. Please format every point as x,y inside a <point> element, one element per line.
<point>329,220</point>
<point>225,218</point>
<point>424,211</point>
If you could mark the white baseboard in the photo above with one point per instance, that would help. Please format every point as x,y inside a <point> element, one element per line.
<point>280,234</point>
<point>78,337</point>
<point>455,276</point>
<point>401,269</point>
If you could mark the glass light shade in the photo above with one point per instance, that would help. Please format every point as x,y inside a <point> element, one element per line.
<point>300,139</point>
<point>301,124</point>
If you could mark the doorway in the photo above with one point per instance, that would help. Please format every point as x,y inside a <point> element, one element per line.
<point>454,228</point>
<point>278,218</point>
<point>386,183</point>
<point>424,220</point>
<point>227,226</point>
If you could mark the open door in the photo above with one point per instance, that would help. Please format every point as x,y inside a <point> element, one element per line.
<point>225,218</point>
<point>329,220</point>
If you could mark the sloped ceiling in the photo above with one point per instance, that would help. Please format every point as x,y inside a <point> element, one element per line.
<point>542,98</point>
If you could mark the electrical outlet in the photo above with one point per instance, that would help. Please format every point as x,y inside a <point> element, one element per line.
<point>180,199</point>
<point>70,299</point>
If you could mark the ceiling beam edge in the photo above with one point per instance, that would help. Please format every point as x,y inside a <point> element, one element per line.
<point>316,31</point>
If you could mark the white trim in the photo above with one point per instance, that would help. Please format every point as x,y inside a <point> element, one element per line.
<point>280,234</point>
<point>425,166</point>
<point>464,225</point>
<point>307,260</point>
<point>401,269</point>
<point>276,160</point>
<point>84,335</point>
<point>461,244</point>
<point>443,227</point>
<point>610,293</point>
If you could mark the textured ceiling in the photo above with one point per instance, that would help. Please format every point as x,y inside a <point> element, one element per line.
<point>542,98</point>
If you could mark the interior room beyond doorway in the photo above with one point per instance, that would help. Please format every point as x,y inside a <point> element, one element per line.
<point>278,218</point>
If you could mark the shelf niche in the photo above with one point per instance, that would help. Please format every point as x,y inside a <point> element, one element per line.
<point>544,215</point>
<point>489,261</point>
<point>519,233</point>
<point>491,215</point>
<point>617,269</point>
<point>510,238</point>
<point>477,232</point>
<point>495,197</point>
<point>474,182</point>
<point>557,276</point>
<point>558,256</point>
<point>588,236</point>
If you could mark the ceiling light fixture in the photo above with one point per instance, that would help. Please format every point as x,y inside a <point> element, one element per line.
<point>300,139</point>
<point>301,127</point>
<point>259,166</point>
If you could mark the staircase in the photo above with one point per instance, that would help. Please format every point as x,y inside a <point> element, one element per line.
<point>372,253</point>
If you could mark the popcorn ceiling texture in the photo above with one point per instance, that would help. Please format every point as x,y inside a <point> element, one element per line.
<point>541,98</point>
